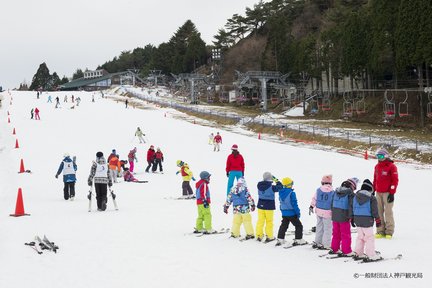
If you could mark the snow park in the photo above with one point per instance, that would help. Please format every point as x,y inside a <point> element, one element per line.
<point>149,240</point>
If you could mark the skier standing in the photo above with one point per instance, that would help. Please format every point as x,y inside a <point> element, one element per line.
<point>65,99</point>
<point>234,166</point>
<point>37,114</point>
<point>217,141</point>
<point>341,235</point>
<point>31,113</point>
<point>114,167</point>
<point>385,183</point>
<point>99,173</point>
<point>187,175</point>
<point>159,158</point>
<point>243,203</point>
<point>322,201</point>
<point>150,158</point>
<point>266,206</point>
<point>126,103</point>
<point>290,213</point>
<point>204,220</point>
<point>49,99</point>
<point>68,167</point>
<point>131,158</point>
<point>364,210</point>
<point>210,140</point>
<point>140,135</point>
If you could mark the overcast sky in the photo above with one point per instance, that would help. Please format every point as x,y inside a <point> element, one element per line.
<point>72,34</point>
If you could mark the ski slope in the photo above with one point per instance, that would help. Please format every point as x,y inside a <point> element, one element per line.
<point>146,243</point>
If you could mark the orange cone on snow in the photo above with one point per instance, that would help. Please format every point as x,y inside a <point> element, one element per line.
<point>16,144</point>
<point>13,132</point>
<point>22,170</point>
<point>366,156</point>
<point>19,207</point>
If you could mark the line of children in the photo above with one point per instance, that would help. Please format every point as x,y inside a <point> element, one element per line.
<point>243,203</point>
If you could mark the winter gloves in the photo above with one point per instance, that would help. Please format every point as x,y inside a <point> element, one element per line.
<point>352,223</point>
<point>378,222</point>
<point>311,210</point>
<point>225,209</point>
<point>56,176</point>
<point>390,198</point>
<point>252,208</point>
<point>177,172</point>
<point>193,179</point>
<point>205,203</point>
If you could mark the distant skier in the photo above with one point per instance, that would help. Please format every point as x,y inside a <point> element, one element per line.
<point>150,158</point>
<point>140,135</point>
<point>131,158</point>
<point>65,99</point>
<point>243,203</point>
<point>114,167</point>
<point>159,158</point>
<point>78,101</point>
<point>126,103</point>
<point>234,166</point>
<point>37,95</point>
<point>37,114</point>
<point>99,173</point>
<point>204,220</point>
<point>187,175</point>
<point>210,139</point>
<point>49,99</point>
<point>31,113</point>
<point>73,99</point>
<point>217,141</point>
<point>93,100</point>
<point>57,102</point>
<point>69,168</point>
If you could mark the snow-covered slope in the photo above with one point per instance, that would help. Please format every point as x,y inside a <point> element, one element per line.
<point>145,243</point>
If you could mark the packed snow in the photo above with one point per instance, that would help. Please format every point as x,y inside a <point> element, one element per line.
<point>147,242</point>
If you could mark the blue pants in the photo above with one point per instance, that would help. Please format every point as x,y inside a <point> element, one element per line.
<point>231,176</point>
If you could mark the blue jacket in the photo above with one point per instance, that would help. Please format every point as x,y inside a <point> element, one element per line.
<point>267,204</point>
<point>68,178</point>
<point>288,203</point>
<point>341,204</point>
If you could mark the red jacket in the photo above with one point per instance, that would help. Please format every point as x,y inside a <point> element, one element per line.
<point>150,155</point>
<point>217,139</point>
<point>386,177</point>
<point>235,163</point>
<point>203,193</point>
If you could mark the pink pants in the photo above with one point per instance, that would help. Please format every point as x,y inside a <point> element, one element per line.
<point>341,235</point>
<point>365,243</point>
<point>131,166</point>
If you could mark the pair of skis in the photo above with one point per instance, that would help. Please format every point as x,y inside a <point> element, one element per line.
<point>89,197</point>
<point>42,244</point>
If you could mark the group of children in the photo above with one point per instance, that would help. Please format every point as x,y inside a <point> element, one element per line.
<point>336,210</point>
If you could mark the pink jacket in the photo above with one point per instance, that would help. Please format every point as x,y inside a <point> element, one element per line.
<point>318,211</point>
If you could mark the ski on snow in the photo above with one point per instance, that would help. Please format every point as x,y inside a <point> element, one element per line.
<point>296,245</point>
<point>221,231</point>
<point>366,260</point>
<point>50,244</point>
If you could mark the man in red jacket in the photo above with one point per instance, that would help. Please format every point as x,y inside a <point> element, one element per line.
<point>385,182</point>
<point>150,158</point>
<point>234,167</point>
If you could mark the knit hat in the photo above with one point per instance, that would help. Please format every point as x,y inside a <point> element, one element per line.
<point>353,182</point>
<point>66,155</point>
<point>327,179</point>
<point>267,176</point>
<point>99,154</point>
<point>287,182</point>
<point>114,151</point>
<point>205,175</point>
<point>234,147</point>
<point>367,185</point>
<point>151,147</point>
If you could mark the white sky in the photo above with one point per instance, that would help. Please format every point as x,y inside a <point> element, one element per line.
<point>85,33</point>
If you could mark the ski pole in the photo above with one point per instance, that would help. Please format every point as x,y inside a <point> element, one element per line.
<point>89,198</point>
<point>113,198</point>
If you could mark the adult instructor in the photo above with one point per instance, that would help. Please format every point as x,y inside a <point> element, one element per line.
<point>234,166</point>
<point>385,182</point>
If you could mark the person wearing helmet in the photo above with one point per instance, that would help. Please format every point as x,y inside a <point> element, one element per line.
<point>266,206</point>
<point>99,174</point>
<point>204,220</point>
<point>69,168</point>
<point>150,158</point>
<point>187,175</point>
<point>234,167</point>
<point>290,213</point>
<point>385,182</point>
<point>243,203</point>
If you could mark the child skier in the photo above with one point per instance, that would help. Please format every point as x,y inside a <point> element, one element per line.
<point>159,158</point>
<point>290,213</point>
<point>187,175</point>
<point>266,206</point>
<point>364,211</point>
<point>341,238</point>
<point>204,219</point>
<point>150,158</point>
<point>100,175</point>
<point>242,204</point>
<point>140,135</point>
<point>210,140</point>
<point>321,201</point>
<point>114,167</point>
<point>129,177</point>
<point>131,158</point>
<point>68,167</point>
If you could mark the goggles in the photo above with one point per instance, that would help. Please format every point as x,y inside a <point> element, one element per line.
<point>380,156</point>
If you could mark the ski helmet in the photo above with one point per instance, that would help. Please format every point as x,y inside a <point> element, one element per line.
<point>180,163</point>
<point>99,154</point>
<point>287,182</point>
<point>205,175</point>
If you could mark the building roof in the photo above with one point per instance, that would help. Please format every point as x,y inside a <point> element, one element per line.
<point>81,82</point>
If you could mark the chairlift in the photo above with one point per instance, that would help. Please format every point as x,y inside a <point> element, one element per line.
<point>347,109</point>
<point>403,106</point>
<point>360,107</point>
<point>326,104</point>
<point>389,107</point>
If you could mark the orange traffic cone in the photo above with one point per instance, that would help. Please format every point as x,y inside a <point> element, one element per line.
<point>19,207</point>
<point>259,135</point>
<point>22,170</point>
<point>16,144</point>
<point>13,132</point>
<point>366,156</point>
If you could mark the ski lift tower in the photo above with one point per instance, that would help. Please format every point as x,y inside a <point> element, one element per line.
<point>217,64</point>
<point>192,78</point>
<point>155,74</point>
